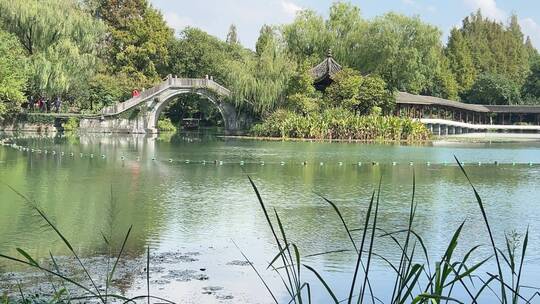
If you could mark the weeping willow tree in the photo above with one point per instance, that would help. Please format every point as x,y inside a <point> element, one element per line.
<point>259,80</point>
<point>13,73</point>
<point>61,41</point>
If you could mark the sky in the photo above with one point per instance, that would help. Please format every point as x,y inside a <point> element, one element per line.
<point>215,16</point>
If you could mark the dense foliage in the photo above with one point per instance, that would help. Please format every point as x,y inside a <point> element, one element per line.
<point>338,123</point>
<point>94,53</point>
<point>350,108</point>
<point>13,73</point>
<point>61,43</point>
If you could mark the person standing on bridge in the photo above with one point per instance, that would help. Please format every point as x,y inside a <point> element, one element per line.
<point>31,104</point>
<point>40,104</point>
<point>58,104</point>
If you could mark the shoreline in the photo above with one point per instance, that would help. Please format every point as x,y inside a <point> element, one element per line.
<point>461,138</point>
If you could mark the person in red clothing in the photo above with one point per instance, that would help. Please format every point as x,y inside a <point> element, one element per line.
<point>135,93</point>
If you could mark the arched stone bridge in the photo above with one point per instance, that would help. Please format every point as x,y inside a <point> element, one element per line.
<point>140,114</point>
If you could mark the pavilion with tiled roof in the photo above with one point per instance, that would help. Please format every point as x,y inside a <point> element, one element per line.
<point>322,73</point>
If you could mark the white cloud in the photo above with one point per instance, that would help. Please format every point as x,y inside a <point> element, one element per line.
<point>489,8</point>
<point>290,8</point>
<point>409,2</point>
<point>178,22</point>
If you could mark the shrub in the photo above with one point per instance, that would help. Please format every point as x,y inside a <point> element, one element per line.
<point>338,123</point>
<point>72,124</point>
<point>165,124</point>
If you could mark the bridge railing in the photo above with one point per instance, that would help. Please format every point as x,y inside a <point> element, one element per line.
<point>201,83</point>
<point>192,83</point>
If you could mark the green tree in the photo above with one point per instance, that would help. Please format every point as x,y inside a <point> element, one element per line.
<point>494,89</point>
<point>13,73</point>
<point>531,51</point>
<point>494,47</point>
<point>345,28</point>
<point>345,89</point>
<point>260,80</point>
<point>266,36</point>
<point>531,89</point>
<point>460,61</point>
<point>61,41</point>
<point>232,35</point>
<point>197,54</point>
<point>306,38</point>
<point>138,39</point>
<point>358,93</point>
<point>404,51</point>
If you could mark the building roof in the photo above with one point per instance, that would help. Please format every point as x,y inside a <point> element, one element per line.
<point>519,109</point>
<point>326,69</point>
<point>407,98</point>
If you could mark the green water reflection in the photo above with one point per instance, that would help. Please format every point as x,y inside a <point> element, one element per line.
<point>193,205</point>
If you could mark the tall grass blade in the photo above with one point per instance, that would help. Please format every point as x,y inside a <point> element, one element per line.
<point>148,273</point>
<point>359,257</point>
<point>523,251</point>
<point>258,274</point>
<point>110,277</point>
<point>486,221</point>
<point>372,241</point>
<point>330,292</point>
<point>265,212</point>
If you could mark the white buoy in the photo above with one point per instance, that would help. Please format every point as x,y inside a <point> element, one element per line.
<point>241,163</point>
<point>411,164</point>
<point>341,163</point>
<point>394,163</point>
<point>220,162</point>
<point>321,164</point>
<point>359,164</point>
<point>282,163</point>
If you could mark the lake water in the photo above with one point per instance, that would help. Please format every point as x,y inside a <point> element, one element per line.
<point>178,203</point>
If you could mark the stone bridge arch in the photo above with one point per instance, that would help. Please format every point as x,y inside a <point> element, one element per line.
<point>226,109</point>
<point>141,113</point>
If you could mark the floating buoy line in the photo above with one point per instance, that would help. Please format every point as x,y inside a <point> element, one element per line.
<point>10,142</point>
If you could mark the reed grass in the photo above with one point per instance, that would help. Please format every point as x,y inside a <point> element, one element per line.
<point>414,282</point>
<point>89,293</point>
